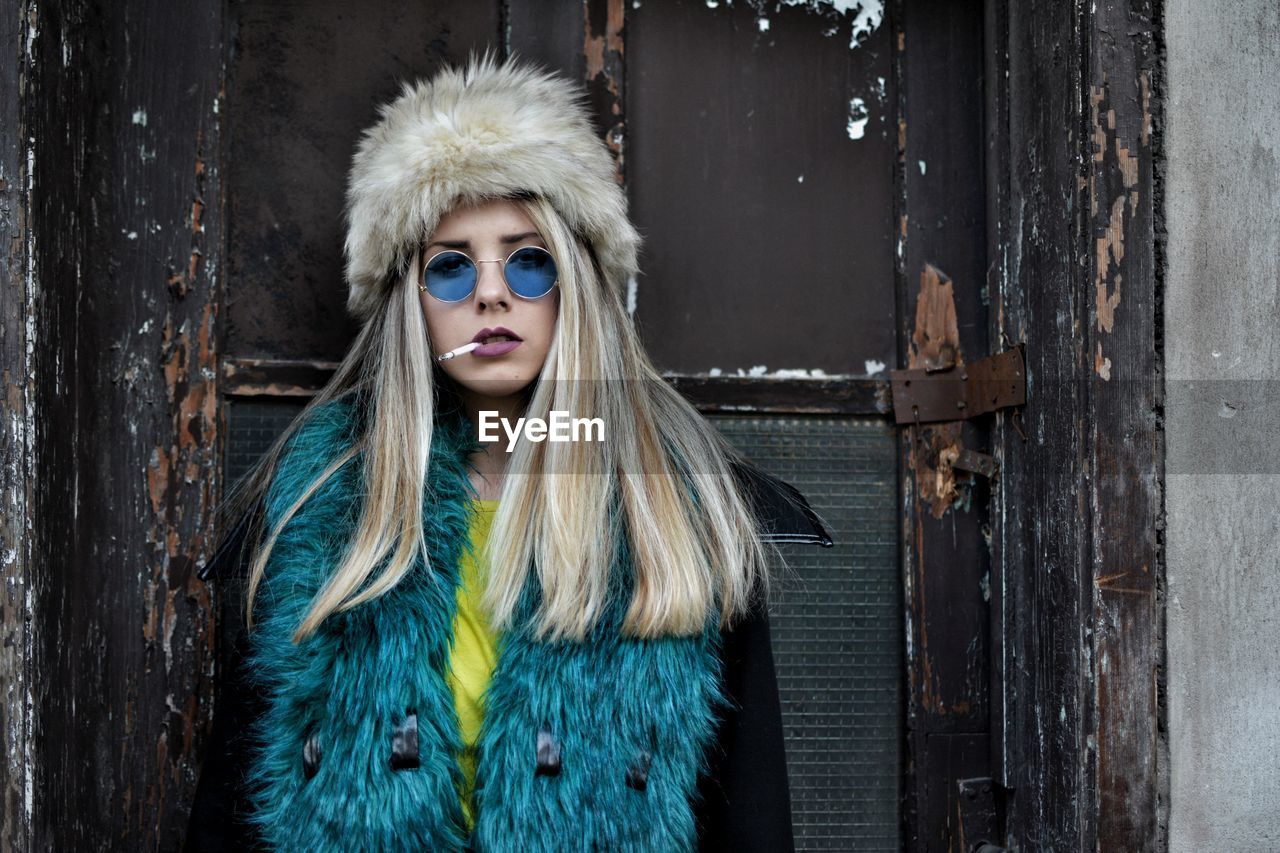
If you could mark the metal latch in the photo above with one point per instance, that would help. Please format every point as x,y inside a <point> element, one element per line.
<point>957,393</point>
<point>971,460</point>
<point>977,813</point>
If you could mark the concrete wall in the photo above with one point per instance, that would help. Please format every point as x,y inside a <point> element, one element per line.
<point>1222,327</point>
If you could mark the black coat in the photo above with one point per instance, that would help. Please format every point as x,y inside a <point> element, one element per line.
<point>744,803</point>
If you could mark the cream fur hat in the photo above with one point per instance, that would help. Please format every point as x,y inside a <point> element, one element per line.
<point>489,129</point>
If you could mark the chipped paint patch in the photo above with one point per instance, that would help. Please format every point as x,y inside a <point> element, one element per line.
<point>1102,364</point>
<point>762,24</point>
<point>872,366</point>
<point>868,19</point>
<point>760,371</point>
<point>798,373</point>
<point>859,115</point>
<point>1144,86</point>
<point>140,117</point>
<point>936,340</point>
<point>924,167</point>
<point>935,344</point>
<point>868,15</point>
<point>1116,153</point>
<point>1110,251</point>
<point>603,49</point>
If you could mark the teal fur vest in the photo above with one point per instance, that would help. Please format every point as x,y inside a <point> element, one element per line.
<point>584,746</point>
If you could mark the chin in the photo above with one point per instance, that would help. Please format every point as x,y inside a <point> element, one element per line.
<point>499,386</point>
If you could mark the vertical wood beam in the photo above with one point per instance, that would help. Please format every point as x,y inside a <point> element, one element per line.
<point>123,239</point>
<point>1125,474</point>
<point>18,625</point>
<point>942,264</point>
<point>1079,555</point>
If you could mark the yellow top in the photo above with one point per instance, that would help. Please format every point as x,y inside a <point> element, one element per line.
<point>474,652</point>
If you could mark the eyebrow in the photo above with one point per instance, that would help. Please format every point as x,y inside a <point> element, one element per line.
<point>466,244</point>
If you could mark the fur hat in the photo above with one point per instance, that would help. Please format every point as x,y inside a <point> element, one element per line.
<point>489,129</point>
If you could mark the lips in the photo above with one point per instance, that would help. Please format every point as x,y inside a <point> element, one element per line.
<point>498,331</point>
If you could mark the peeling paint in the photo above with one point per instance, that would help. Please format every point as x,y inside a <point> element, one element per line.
<point>22,624</point>
<point>867,14</point>
<point>604,55</point>
<point>1108,205</point>
<point>1128,164</point>
<point>859,115</point>
<point>935,343</point>
<point>1110,251</point>
<point>1102,364</point>
<point>872,366</point>
<point>760,371</point>
<point>798,373</point>
<point>1144,85</point>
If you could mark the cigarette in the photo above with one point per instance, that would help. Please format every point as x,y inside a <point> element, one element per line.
<point>462,350</point>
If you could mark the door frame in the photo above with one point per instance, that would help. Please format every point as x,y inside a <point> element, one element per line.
<point>1072,144</point>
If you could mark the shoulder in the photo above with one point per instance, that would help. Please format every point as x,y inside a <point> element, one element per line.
<point>783,513</point>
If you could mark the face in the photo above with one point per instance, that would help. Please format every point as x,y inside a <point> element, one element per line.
<point>489,230</point>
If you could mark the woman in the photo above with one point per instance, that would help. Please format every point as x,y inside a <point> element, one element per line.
<point>456,643</point>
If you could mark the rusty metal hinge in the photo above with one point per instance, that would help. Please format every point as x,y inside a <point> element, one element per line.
<point>953,392</point>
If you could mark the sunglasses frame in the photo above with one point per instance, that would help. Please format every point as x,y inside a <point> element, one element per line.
<point>422,275</point>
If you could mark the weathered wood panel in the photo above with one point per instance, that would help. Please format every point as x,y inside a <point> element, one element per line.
<point>18,628</point>
<point>305,78</point>
<point>1045,561</point>
<point>943,320</point>
<point>552,33</point>
<point>1079,551</point>
<point>122,114</point>
<point>1125,407</point>
<point>760,165</point>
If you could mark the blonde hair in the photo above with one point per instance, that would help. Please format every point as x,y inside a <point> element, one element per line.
<point>691,550</point>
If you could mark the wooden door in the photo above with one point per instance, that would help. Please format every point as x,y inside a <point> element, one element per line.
<point>794,168</point>
<point>793,171</point>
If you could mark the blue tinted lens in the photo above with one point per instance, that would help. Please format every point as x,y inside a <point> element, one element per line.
<point>531,272</point>
<point>450,276</point>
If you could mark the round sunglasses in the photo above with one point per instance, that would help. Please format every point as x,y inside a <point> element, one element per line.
<point>450,276</point>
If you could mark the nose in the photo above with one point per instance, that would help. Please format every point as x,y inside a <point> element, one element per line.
<point>491,289</point>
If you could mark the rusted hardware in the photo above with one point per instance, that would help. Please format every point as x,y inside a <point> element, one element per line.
<point>956,393</point>
<point>979,463</point>
<point>977,808</point>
